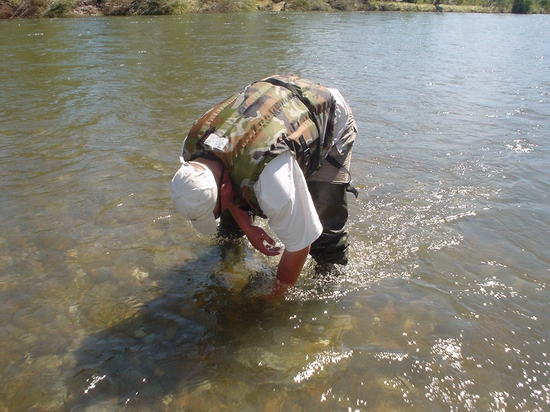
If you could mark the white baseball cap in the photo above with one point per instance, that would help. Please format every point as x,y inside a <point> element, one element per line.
<point>194,193</point>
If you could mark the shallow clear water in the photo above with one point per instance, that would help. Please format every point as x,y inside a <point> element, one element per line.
<point>109,300</point>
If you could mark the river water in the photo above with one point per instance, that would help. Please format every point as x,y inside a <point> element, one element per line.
<point>110,301</point>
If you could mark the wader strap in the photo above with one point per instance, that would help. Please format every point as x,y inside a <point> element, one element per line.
<point>298,93</point>
<point>338,165</point>
<point>306,152</point>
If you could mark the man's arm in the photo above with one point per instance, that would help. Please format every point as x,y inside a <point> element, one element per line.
<point>255,234</point>
<point>289,269</point>
<point>291,265</point>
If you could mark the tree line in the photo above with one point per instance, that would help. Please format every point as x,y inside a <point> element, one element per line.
<point>63,8</point>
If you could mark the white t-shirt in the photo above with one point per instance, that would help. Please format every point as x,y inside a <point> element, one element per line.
<point>282,194</point>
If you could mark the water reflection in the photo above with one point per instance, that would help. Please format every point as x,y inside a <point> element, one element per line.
<point>161,346</point>
<point>210,333</point>
<point>111,301</point>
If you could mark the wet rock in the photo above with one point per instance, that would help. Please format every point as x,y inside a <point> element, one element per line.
<point>254,357</point>
<point>139,274</point>
<point>139,333</point>
<point>378,301</point>
<point>389,314</point>
<point>339,326</point>
<point>168,399</point>
<point>102,406</point>
<point>29,339</point>
<point>69,360</point>
<point>172,256</point>
<point>48,362</point>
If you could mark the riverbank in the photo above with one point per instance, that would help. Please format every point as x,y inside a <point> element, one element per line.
<point>70,8</point>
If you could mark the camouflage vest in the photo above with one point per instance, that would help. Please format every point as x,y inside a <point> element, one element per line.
<point>265,119</point>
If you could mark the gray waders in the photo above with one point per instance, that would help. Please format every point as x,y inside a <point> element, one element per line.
<point>330,201</point>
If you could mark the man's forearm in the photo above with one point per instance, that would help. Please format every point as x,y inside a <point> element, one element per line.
<point>255,234</point>
<point>291,265</point>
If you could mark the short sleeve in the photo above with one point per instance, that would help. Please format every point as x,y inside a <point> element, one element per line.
<point>282,194</point>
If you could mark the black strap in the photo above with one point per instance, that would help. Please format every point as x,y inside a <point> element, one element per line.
<point>306,151</point>
<point>338,165</point>
<point>298,92</point>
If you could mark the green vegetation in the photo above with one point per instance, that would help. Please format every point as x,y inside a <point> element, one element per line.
<point>60,8</point>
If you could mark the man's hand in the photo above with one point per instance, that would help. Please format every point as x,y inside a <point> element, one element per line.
<point>291,263</point>
<point>261,240</point>
<point>256,235</point>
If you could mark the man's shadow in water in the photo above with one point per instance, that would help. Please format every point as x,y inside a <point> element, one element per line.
<point>174,342</point>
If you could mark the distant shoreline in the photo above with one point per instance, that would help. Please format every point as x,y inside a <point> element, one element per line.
<point>18,9</point>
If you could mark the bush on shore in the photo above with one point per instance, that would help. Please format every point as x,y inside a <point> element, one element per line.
<point>61,8</point>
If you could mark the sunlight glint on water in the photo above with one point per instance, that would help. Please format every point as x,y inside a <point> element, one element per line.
<point>110,300</point>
